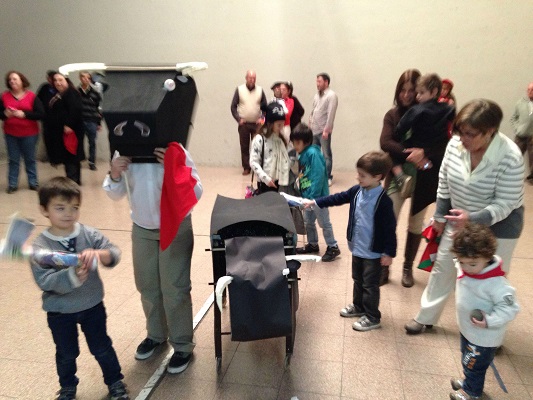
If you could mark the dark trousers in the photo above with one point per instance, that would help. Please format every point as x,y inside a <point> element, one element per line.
<point>366,275</point>
<point>91,127</point>
<point>64,329</point>
<point>246,132</point>
<point>73,171</point>
<point>476,361</point>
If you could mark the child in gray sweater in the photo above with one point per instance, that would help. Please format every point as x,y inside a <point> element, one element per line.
<point>73,295</point>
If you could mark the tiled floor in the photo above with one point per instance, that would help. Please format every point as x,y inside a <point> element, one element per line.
<point>330,360</point>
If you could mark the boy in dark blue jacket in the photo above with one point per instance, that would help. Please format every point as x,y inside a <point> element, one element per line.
<point>313,178</point>
<point>371,236</point>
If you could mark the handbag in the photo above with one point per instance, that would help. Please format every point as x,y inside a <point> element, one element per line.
<point>250,191</point>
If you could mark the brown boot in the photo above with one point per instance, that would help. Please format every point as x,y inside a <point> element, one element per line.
<point>384,276</point>
<point>407,277</point>
<point>411,248</point>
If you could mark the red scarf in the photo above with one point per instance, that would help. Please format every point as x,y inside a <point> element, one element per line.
<point>490,274</point>
<point>177,196</point>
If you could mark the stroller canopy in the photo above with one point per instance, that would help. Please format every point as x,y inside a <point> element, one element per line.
<point>268,207</point>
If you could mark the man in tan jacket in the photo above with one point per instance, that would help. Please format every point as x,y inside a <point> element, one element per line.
<point>248,102</point>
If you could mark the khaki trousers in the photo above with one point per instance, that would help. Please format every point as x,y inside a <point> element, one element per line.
<point>163,278</point>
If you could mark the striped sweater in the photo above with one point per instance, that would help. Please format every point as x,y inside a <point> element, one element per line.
<point>492,192</point>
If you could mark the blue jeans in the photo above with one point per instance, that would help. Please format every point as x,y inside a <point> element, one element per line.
<point>91,128</point>
<point>25,147</point>
<point>476,361</point>
<point>325,144</point>
<point>366,275</point>
<point>322,215</point>
<point>65,333</point>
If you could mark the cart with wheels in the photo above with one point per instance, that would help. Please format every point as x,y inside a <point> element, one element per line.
<point>249,241</point>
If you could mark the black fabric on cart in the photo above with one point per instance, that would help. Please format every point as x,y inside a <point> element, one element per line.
<point>268,207</point>
<point>259,294</point>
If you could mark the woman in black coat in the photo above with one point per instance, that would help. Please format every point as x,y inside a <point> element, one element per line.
<point>64,119</point>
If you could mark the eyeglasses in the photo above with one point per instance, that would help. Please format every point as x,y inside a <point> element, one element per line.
<point>471,134</point>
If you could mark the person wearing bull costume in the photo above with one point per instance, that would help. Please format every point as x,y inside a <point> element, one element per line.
<point>161,197</point>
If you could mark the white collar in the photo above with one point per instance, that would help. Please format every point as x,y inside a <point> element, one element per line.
<point>74,234</point>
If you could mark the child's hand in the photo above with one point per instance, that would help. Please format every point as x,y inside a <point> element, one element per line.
<point>159,153</point>
<point>386,260</point>
<point>457,218</point>
<point>88,258</point>
<point>82,272</point>
<point>438,226</point>
<point>306,203</point>
<point>272,184</point>
<point>478,323</point>
<point>119,165</point>
<point>415,155</point>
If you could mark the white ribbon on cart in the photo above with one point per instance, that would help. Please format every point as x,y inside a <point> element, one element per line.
<point>224,281</point>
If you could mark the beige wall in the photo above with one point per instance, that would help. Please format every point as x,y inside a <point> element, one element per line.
<point>484,46</point>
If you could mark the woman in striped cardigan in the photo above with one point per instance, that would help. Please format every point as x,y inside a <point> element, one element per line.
<point>481,180</point>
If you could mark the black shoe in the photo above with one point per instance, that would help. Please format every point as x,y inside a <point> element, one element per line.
<point>308,249</point>
<point>146,349</point>
<point>117,391</point>
<point>178,362</point>
<point>92,167</point>
<point>11,189</point>
<point>331,253</point>
<point>34,187</point>
<point>67,393</point>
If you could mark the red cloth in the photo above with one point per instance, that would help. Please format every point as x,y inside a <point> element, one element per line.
<point>177,196</point>
<point>430,253</point>
<point>70,140</point>
<point>498,271</point>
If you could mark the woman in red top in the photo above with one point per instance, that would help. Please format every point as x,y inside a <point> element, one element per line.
<point>20,109</point>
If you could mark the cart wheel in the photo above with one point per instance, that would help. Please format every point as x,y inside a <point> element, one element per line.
<point>219,364</point>
<point>287,360</point>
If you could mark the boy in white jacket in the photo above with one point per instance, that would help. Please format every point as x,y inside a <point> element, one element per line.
<point>485,303</point>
